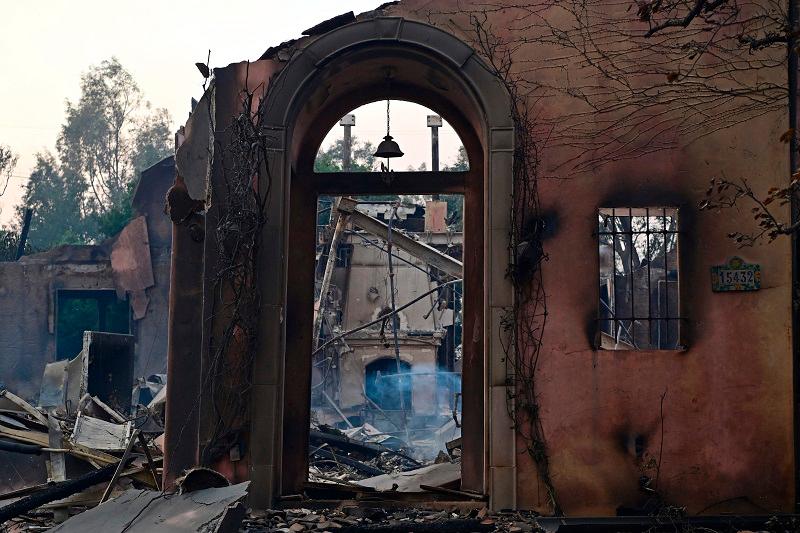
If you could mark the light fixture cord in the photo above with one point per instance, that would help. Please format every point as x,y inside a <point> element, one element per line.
<point>387,116</point>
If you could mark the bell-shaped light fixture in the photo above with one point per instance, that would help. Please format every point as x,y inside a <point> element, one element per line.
<point>388,147</point>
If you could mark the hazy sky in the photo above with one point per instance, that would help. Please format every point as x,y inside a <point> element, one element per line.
<point>46,45</point>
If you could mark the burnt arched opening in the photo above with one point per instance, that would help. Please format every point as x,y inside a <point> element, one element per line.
<point>385,387</point>
<point>327,77</point>
<point>344,83</point>
<point>360,77</point>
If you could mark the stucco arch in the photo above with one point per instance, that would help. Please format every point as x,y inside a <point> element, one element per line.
<point>325,78</point>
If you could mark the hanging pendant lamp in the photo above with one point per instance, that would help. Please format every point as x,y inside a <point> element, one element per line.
<point>388,147</point>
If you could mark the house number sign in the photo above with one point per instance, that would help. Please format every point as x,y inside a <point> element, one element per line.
<point>736,276</point>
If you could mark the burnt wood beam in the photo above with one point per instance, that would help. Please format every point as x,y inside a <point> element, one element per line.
<point>344,183</point>
<point>420,250</point>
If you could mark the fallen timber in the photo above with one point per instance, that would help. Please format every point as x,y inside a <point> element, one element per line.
<point>56,491</point>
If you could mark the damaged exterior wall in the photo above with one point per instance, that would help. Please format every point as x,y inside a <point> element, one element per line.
<point>27,308</point>
<point>151,331</point>
<point>727,420</point>
<point>28,289</point>
<point>727,413</point>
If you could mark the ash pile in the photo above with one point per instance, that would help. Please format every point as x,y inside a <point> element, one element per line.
<point>346,518</point>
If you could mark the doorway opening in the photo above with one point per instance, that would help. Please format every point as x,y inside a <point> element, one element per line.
<point>386,372</point>
<point>388,308</point>
<point>80,310</point>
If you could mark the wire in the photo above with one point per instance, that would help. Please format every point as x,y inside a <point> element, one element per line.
<point>432,274</point>
<point>383,317</point>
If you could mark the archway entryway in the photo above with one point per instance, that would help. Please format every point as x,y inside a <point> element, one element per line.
<point>389,58</point>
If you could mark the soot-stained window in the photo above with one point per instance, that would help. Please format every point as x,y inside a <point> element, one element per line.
<point>639,280</point>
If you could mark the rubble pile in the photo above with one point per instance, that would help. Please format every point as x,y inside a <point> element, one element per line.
<point>362,460</point>
<point>91,451</point>
<point>350,518</point>
<point>354,455</point>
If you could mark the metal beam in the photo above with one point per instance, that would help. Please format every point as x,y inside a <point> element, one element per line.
<point>426,253</point>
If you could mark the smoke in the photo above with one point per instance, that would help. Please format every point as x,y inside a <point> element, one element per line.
<point>418,409</point>
<point>432,402</point>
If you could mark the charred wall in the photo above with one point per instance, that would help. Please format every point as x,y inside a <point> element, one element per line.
<point>710,426</point>
<point>148,201</point>
<point>27,308</point>
<point>723,436</point>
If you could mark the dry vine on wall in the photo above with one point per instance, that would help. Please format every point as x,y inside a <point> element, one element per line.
<point>640,78</point>
<point>243,192</point>
<point>524,322</point>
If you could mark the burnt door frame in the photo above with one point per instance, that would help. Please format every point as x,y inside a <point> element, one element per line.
<point>332,74</point>
<point>305,190</point>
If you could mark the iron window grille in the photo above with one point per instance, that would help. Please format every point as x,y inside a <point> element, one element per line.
<point>639,278</point>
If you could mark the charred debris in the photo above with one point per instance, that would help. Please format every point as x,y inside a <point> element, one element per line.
<point>388,380</point>
<point>95,435</point>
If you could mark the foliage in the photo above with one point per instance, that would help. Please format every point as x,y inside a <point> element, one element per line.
<point>331,158</point>
<point>103,312</point>
<point>114,220</point>
<point>9,239</point>
<point>56,199</point>
<point>455,202</point>
<point>8,161</point>
<point>110,135</point>
<point>455,211</point>
<point>152,139</point>
<point>724,193</point>
<point>9,244</point>
<point>461,162</point>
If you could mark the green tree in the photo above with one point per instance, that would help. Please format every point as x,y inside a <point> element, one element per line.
<point>57,201</point>
<point>455,202</point>
<point>8,237</point>
<point>330,159</point>
<point>361,160</point>
<point>8,161</point>
<point>461,162</point>
<point>9,242</point>
<point>152,139</point>
<point>109,136</point>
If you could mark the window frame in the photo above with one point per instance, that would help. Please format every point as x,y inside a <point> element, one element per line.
<point>677,315</point>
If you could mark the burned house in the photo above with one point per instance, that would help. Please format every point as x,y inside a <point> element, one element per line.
<point>121,285</point>
<point>643,380</point>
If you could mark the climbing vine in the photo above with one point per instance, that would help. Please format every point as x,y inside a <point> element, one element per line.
<point>523,323</point>
<point>240,197</point>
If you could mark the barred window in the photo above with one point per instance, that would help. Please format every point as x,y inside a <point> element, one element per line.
<point>639,296</point>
